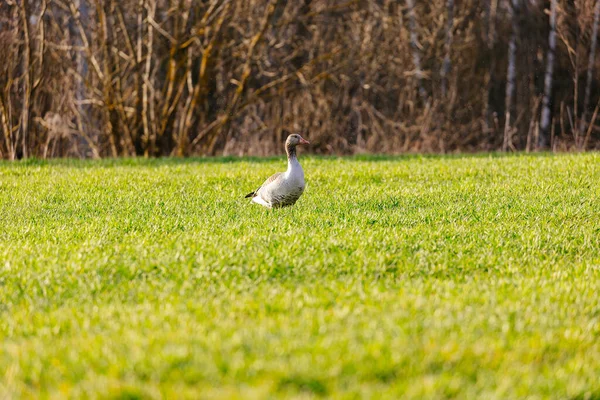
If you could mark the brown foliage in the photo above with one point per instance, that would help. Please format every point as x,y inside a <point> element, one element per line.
<point>97,78</point>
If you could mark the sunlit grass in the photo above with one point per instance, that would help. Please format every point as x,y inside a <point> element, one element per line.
<point>391,277</point>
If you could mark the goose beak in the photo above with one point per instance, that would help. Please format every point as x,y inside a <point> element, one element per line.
<point>303,141</point>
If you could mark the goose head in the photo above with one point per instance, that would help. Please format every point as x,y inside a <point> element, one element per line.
<point>294,140</point>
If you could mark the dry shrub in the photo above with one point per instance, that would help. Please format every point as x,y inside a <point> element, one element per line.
<point>96,78</point>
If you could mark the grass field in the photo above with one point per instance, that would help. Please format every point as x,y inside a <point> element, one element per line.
<point>435,277</point>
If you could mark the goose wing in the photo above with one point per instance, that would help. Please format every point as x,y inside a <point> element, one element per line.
<point>269,180</point>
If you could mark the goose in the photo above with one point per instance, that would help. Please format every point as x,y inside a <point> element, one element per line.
<point>284,188</point>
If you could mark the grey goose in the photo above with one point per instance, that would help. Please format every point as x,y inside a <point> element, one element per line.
<point>284,188</point>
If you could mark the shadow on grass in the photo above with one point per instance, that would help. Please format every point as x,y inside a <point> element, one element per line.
<point>590,395</point>
<point>298,383</point>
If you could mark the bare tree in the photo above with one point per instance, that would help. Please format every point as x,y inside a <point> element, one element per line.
<point>547,99</point>
<point>104,78</point>
<point>79,13</point>
<point>446,66</point>
<point>27,73</point>
<point>490,38</point>
<point>590,68</point>
<point>416,48</point>
<point>511,73</point>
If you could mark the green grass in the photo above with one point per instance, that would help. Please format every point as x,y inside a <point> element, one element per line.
<point>434,277</point>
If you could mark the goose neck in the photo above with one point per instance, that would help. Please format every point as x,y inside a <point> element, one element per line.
<point>290,150</point>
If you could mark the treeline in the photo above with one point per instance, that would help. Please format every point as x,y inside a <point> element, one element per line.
<point>108,78</point>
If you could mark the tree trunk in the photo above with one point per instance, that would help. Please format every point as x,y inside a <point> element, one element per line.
<point>81,63</point>
<point>111,119</point>
<point>446,66</point>
<point>511,73</point>
<point>139,71</point>
<point>490,37</point>
<point>547,99</point>
<point>416,48</point>
<point>25,111</point>
<point>148,112</point>
<point>590,69</point>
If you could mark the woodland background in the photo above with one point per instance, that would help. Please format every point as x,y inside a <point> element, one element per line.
<point>108,78</point>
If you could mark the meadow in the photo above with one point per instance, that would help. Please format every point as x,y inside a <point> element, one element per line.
<point>414,277</point>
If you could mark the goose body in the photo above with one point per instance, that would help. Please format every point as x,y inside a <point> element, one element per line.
<point>283,188</point>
